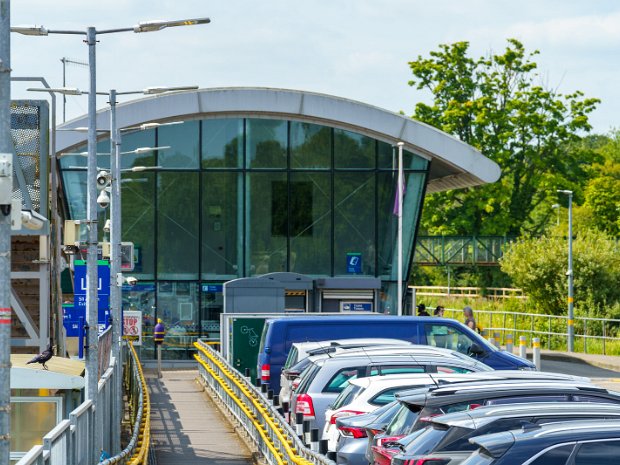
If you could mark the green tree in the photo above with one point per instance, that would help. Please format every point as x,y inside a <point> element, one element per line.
<point>497,105</point>
<point>538,266</point>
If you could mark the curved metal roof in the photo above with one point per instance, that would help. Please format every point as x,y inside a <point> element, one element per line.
<point>454,163</point>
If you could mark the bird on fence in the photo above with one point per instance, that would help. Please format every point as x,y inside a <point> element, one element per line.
<point>43,357</point>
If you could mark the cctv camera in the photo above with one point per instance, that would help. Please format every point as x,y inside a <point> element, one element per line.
<point>103,180</point>
<point>104,199</point>
<point>32,220</point>
<point>131,280</point>
<point>106,226</point>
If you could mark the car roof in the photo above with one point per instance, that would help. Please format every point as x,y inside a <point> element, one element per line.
<point>426,358</point>
<point>406,378</point>
<point>548,434</point>
<point>465,391</point>
<point>512,375</point>
<point>480,416</point>
<point>349,342</point>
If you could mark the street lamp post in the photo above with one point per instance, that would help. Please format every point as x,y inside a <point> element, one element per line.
<point>92,376</point>
<point>400,228</point>
<point>6,192</point>
<point>569,273</point>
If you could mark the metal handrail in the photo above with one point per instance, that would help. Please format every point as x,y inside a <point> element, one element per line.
<point>251,409</point>
<point>140,426</point>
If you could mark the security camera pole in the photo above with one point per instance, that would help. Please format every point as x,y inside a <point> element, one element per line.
<point>6,192</point>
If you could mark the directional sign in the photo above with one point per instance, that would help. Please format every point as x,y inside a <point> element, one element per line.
<point>80,288</point>
<point>80,282</point>
<point>354,263</point>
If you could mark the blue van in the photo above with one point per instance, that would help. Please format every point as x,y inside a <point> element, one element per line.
<point>280,333</point>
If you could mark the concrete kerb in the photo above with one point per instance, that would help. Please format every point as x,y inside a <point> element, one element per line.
<point>608,362</point>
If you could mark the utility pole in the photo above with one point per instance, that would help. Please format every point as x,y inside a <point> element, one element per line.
<point>6,194</point>
<point>569,273</point>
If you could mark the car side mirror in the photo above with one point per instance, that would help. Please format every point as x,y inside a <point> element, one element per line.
<point>476,349</point>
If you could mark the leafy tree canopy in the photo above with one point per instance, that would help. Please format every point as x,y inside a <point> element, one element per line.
<point>498,104</point>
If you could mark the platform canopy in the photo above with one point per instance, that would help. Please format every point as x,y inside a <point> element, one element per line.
<point>454,164</point>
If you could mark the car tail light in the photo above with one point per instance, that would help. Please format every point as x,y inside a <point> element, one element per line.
<point>265,372</point>
<point>349,431</point>
<point>474,406</point>
<point>342,414</point>
<point>376,431</point>
<point>304,405</point>
<point>384,441</point>
<point>427,462</point>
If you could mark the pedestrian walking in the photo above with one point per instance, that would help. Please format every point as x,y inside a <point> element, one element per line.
<point>422,310</point>
<point>470,321</point>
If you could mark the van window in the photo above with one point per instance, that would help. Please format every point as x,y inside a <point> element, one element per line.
<point>263,337</point>
<point>448,337</point>
<point>341,379</point>
<point>291,359</point>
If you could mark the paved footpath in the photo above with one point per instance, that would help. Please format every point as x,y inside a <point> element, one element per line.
<point>186,426</point>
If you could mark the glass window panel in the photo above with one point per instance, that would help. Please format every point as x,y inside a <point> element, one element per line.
<point>310,218</point>
<point>177,225</point>
<point>212,306</point>
<point>177,306</point>
<point>103,157</point>
<point>266,143</point>
<point>388,158</point>
<point>222,143</point>
<point>266,206</point>
<point>31,420</point>
<point>353,150</point>
<point>354,205</point>
<point>183,141</point>
<point>141,298</point>
<point>559,456</point>
<point>138,219</point>
<point>221,244</point>
<point>387,214</point>
<point>311,145</point>
<point>75,188</point>
<point>134,140</point>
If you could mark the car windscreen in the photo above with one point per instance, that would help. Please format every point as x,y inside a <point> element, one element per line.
<point>403,420</point>
<point>306,378</point>
<point>291,359</point>
<point>347,396</point>
<point>300,366</point>
<point>430,437</point>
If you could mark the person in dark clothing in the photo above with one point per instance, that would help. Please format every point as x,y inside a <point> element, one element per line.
<point>439,311</point>
<point>422,310</point>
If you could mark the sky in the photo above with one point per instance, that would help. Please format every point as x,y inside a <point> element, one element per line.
<point>357,49</point>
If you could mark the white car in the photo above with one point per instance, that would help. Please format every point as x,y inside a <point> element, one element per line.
<point>365,395</point>
<point>302,350</point>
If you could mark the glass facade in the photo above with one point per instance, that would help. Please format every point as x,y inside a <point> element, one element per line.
<point>237,197</point>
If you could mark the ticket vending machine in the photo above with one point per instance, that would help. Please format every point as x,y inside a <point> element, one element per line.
<point>359,294</point>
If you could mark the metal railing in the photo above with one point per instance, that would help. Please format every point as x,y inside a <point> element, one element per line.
<point>72,441</point>
<point>592,335</point>
<point>266,429</point>
<point>471,292</point>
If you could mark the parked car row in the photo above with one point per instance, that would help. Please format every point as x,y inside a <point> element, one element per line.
<point>412,401</point>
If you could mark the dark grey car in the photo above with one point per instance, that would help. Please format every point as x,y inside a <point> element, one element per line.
<point>446,440</point>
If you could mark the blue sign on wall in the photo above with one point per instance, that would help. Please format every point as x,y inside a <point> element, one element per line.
<point>356,306</point>
<point>354,263</point>
<point>212,287</point>
<point>80,289</point>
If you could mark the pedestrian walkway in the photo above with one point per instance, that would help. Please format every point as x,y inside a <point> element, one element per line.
<point>186,426</point>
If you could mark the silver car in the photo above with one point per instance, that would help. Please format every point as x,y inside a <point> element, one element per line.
<point>324,379</point>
